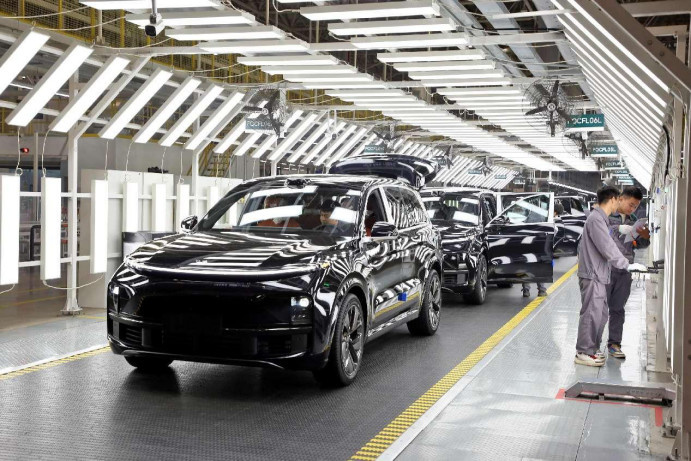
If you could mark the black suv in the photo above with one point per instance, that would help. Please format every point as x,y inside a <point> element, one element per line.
<point>292,272</point>
<point>480,247</point>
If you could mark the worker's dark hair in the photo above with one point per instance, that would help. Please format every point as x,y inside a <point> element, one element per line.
<point>632,191</point>
<point>559,208</point>
<point>605,194</point>
<point>328,205</point>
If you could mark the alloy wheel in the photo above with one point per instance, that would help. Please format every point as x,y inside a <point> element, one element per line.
<point>482,274</point>
<point>351,341</point>
<point>435,298</point>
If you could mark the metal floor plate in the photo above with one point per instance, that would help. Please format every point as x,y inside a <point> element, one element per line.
<point>100,408</point>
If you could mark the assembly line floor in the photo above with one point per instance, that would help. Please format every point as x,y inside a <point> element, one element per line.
<point>95,406</point>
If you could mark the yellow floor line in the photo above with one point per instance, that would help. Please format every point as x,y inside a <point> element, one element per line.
<point>385,438</point>
<point>54,363</point>
<point>29,301</point>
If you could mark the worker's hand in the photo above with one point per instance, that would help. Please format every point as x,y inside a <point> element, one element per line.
<point>625,229</point>
<point>637,267</point>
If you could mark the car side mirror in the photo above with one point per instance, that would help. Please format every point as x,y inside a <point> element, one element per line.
<point>188,223</point>
<point>384,229</point>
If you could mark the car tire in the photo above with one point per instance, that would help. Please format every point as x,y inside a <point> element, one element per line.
<point>504,285</point>
<point>345,357</point>
<point>479,293</point>
<point>149,363</point>
<point>427,322</point>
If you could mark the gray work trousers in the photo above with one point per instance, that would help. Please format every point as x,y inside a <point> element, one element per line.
<point>618,291</point>
<point>540,286</point>
<point>593,316</point>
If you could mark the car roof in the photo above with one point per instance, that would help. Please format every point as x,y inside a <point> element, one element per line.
<point>436,190</point>
<point>351,181</point>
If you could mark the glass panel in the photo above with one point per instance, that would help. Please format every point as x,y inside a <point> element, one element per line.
<point>530,210</point>
<point>462,209</point>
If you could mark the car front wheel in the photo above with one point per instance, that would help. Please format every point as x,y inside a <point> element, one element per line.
<point>347,345</point>
<point>427,322</point>
<point>479,293</point>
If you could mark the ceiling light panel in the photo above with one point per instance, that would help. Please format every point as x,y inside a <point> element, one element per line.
<point>339,85</point>
<point>231,137</point>
<point>480,91</point>
<point>246,144</point>
<point>289,141</point>
<point>308,70</point>
<point>323,143</point>
<point>328,78</point>
<point>135,103</point>
<point>364,93</point>
<point>19,54</point>
<point>469,82</point>
<point>445,66</point>
<point>194,18</point>
<point>347,147</point>
<point>110,70</point>
<point>411,41</point>
<point>255,46</point>
<point>309,142</point>
<point>371,10</point>
<point>254,32</point>
<point>265,145</point>
<point>193,113</point>
<point>457,74</point>
<point>167,110</point>
<point>134,5</point>
<point>335,144</point>
<point>49,84</point>
<point>230,106</point>
<point>292,60</point>
<point>431,56</point>
<point>402,26</point>
<point>294,117</point>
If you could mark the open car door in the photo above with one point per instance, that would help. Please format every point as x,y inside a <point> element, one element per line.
<point>521,239</point>
<point>573,221</point>
<point>506,199</point>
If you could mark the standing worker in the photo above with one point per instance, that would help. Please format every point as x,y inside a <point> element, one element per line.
<point>628,232</point>
<point>595,256</point>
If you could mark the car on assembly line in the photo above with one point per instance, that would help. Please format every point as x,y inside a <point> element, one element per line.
<point>481,247</point>
<point>294,272</point>
<point>573,219</point>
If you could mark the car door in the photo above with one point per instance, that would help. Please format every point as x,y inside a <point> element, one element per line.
<point>521,240</point>
<point>573,221</point>
<point>506,199</point>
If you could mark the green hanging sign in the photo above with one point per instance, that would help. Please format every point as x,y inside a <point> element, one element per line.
<point>586,122</point>
<point>604,150</point>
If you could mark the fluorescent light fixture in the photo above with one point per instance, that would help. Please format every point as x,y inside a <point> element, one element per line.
<point>254,32</point>
<point>431,56</point>
<point>294,136</point>
<point>292,60</point>
<point>110,70</point>
<point>193,113</point>
<point>479,91</point>
<point>264,146</point>
<point>391,104</point>
<point>445,66</point>
<point>194,18</point>
<point>327,78</point>
<point>401,26</point>
<point>255,46</point>
<point>135,103</point>
<point>370,10</point>
<point>9,229</point>
<point>130,207</point>
<point>410,41</point>
<point>347,146</point>
<point>246,144</point>
<point>338,85</point>
<point>486,99</point>
<point>167,110</point>
<point>158,207</point>
<point>309,142</point>
<point>51,226</point>
<point>182,205</point>
<point>49,84</point>
<point>456,74</point>
<point>212,196</point>
<point>467,82</point>
<point>98,260</point>
<point>215,119</point>
<point>366,93</point>
<point>133,5</point>
<point>231,137</point>
<point>375,99</point>
<point>19,54</point>
<point>308,70</point>
<point>335,144</point>
<point>322,144</point>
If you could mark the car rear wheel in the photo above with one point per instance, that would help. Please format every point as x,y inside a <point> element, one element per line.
<point>149,363</point>
<point>479,293</point>
<point>427,322</point>
<point>347,345</point>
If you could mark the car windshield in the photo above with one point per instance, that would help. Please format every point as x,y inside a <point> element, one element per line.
<point>462,209</point>
<point>280,208</point>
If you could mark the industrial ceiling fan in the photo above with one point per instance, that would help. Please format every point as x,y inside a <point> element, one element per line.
<point>549,107</point>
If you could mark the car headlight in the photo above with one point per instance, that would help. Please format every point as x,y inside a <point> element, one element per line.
<point>114,293</point>
<point>300,310</point>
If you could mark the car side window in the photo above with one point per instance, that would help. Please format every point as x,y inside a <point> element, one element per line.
<point>414,208</point>
<point>406,209</point>
<point>374,211</point>
<point>530,210</point>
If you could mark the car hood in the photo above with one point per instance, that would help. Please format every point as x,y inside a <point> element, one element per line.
<point>234,253</point>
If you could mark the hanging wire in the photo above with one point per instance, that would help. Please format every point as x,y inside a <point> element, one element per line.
<point>77,28</point>
<point>127,159</point>
<point>163,157</point>
<point>70,288</point>
<point>18,171</point>
<point>134,47</point>
<point>47,15</point>
<point>105,167</point>
<point>181,180</point>
<point>8,290</point>
<point>45,138</point>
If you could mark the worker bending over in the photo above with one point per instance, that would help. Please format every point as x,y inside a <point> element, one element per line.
<point>596,254</point>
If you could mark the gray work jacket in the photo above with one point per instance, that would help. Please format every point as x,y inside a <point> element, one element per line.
<point>596,252</point>
<point>626,248</point>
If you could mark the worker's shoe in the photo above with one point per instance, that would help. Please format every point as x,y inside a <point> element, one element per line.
<point>588,360</point>
<point>601,355</point>
<point>526,293</point>
<point>541,293</point>
<point>615,351</point>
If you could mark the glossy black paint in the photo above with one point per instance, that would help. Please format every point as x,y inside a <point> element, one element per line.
<point>414,170</point>
<point>169,299</point>
<point>575,213</point>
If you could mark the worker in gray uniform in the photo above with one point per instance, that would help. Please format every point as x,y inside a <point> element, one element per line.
<point>596,255</point>
<point>628,233</point>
